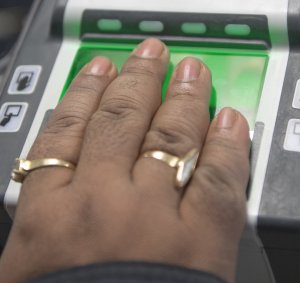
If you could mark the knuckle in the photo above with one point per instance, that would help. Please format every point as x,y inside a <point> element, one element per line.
<point>195,91</point>
<point>223,144</point>
<point>118,108</point>
<point>166,135</point>
<point>85,84</point>
<point>133,87</point>
<point>61,136</point>
<point>69,119</point>
<point>130,83</point>
<point>176,136</point>
<point>140,68</point>
<point>184,91</point>
<point>80,90</point>
<point>190,101</point>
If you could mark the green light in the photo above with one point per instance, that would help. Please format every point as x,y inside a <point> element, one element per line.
<point>151,26</point>
<point>193,28</point>
<point>109,25</point>
<point>237,75</point>
<point>238,30</point>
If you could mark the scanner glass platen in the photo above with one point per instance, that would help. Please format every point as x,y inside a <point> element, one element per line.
<point>237,75</point>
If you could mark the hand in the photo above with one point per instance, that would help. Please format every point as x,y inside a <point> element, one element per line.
<point>118,205</point>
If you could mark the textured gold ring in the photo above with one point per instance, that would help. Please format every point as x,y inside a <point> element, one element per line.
<point>23,167</point>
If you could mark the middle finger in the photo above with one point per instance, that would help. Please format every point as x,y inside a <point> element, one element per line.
<point>117,129</point>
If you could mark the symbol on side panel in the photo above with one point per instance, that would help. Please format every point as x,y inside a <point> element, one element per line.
<point>5,120</point>
<point>24,80</point>
<point>11,111</point>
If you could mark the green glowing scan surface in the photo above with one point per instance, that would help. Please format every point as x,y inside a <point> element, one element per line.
<point>237,75</point>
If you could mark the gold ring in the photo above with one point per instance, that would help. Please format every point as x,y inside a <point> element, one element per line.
<point>23,167</point>
<point>185,165</point>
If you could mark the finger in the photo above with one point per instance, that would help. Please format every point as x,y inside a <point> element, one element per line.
<point>179,125</point>
<point>118,127</point>
<point>218,187</point>
<point>63,136</point>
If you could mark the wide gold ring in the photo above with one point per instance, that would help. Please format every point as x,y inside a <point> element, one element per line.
<point>23,167</point>
<point>185,165</point>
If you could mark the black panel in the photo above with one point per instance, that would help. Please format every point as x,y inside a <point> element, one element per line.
<point>285,265</point>
<point>279,215</point>
<point>258,38</point>
<point>11,3</point>
<point>37,46</point>
<point>57,24</point>
<point>18,12</point>
<point>294,23</point>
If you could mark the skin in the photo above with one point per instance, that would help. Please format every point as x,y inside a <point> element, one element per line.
<point>117,205</point>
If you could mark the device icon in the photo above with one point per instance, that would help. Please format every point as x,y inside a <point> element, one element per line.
<point>11,111</point>
<point>24,80</point>
<point>12,115</point>
<point>5,120</point>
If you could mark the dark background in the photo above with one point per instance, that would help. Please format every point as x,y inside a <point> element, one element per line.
<point>12,18</point>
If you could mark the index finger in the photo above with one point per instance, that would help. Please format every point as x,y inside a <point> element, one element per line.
<point>64,133</point>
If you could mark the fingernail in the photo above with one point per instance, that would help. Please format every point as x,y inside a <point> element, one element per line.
<point>150,48</point>
<point>188,70</point>
<point>99,66</point>
<point>226,118</point>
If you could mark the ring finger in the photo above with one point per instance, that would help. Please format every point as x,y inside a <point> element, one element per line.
<point>179,125</point>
